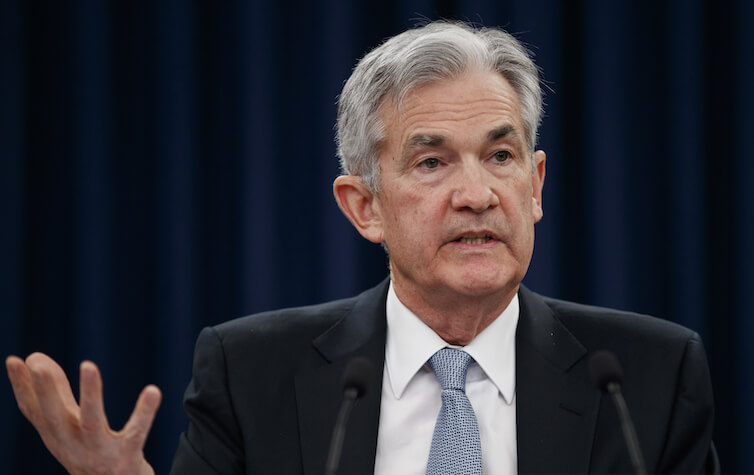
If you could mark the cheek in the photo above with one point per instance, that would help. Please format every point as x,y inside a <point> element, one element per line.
<point>414,221</point>
<point>515,198</point>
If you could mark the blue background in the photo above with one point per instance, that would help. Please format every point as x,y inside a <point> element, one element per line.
<point>167,165</point>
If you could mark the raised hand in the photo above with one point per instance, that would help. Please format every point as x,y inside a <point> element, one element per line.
<point>79,436</point>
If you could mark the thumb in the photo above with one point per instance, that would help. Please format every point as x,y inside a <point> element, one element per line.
<point>137,428</point>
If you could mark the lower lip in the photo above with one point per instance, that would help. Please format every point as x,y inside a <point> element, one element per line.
<point>474,247</point>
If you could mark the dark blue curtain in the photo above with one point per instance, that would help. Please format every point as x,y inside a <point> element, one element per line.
<point>167,165</point>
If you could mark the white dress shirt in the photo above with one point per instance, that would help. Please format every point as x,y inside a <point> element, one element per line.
<point>411,392</point>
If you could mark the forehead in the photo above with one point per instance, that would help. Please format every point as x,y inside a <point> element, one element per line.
<point>474,103</point>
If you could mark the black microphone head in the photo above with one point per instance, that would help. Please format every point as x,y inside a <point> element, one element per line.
<point>604,369</point>
<point>358,375</point>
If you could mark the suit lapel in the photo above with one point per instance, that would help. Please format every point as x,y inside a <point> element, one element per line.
<point>361,332</point>
<point>556,404</point>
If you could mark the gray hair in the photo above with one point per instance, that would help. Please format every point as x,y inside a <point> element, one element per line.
<point>431,53</point>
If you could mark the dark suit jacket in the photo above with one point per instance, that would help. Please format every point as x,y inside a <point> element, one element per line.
<point>266,390</point>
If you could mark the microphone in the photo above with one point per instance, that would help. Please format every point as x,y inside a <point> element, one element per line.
<point>355,383</point>
<point>607,376</point>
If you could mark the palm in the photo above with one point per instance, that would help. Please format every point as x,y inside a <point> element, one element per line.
<point>78,435</point>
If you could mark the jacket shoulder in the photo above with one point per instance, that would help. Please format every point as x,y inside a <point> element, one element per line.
<point>287,323</point>
<point>604,322</point>
<point>291,325</point>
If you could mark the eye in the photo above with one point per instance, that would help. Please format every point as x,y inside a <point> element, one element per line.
<point>430,163</point>
<point>501,156</point>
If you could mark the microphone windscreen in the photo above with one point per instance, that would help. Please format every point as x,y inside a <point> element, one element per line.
<point>604,369</point>
<point>357,375</point>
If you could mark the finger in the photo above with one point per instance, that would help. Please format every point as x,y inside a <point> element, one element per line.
<point>23,388</point>
<point>137,428</point>
<point>55,417</point>
<point>56,375</point>
<point>93,418</point>
<point>62,385</point>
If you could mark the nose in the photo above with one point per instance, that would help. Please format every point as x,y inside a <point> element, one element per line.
<point>473,189</point>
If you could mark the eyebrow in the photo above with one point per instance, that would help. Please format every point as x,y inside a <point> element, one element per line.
<point>418,141</point>
<point>501,132</point>
<point>425,140</point>
<point>429,140</point>
<point>432,140</point>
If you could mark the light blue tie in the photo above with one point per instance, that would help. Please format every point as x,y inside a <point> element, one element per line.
<point>456,448</point>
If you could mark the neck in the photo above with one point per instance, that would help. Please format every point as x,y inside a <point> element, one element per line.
<point>457,319</point>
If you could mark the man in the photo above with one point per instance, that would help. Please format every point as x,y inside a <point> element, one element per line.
<point>436,134</point>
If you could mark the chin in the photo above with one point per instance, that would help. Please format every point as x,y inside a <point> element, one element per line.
<point>487,278</point>
<point>481,285</point>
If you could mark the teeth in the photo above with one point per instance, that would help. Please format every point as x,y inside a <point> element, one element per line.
<point>475,240</point>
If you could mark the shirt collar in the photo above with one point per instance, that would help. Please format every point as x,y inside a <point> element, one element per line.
<point>410,343</point>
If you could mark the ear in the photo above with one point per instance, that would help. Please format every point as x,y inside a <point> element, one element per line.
<point>359,204</point>
<point>538,181</point>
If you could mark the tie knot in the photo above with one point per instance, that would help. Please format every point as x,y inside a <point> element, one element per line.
<point>450,366</point>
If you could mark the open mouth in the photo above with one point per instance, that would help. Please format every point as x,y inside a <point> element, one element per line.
<point>475,239</point>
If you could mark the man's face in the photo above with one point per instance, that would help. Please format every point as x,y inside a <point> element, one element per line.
<point>458,197</point>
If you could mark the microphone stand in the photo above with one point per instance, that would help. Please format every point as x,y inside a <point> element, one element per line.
<point>336,443</point>
<point>629,432</point>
